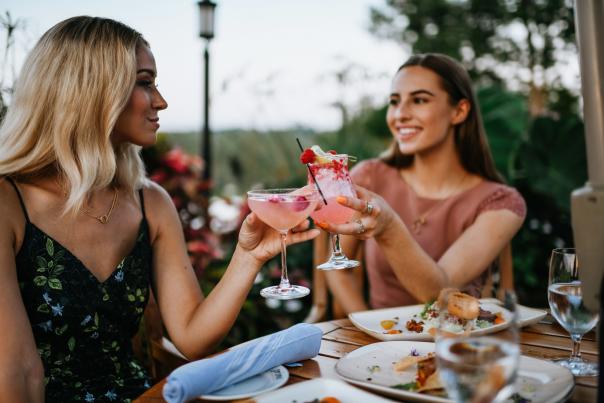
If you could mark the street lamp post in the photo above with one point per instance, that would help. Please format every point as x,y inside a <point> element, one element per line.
<point>206,31</point>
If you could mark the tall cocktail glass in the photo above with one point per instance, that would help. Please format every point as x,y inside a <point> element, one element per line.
<point>333,179</point>
<point>283,209</point>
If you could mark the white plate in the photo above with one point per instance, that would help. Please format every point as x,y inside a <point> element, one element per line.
<point>526,315</point>
<point>261,383</point>
<point>369,322</point>
<point>317,389</point>
<point>538,380</point>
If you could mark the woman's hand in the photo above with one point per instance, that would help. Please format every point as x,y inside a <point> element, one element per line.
<point>262,242</point>
<point>372,218</point>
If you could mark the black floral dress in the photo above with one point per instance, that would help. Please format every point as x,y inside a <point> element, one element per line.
<point>83,327</point>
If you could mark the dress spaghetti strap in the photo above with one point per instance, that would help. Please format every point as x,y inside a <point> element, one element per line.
<point>140,195</point>
<point>12,182</point>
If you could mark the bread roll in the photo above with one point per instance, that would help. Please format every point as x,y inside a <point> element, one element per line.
<point>463,306</point>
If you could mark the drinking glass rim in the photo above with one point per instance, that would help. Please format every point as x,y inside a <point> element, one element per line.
<point>445,343</point>
<point>564,251</point>
<point>283,192</point>
<point>332,157</point>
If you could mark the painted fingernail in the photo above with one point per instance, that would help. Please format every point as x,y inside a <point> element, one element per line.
<point>341,199</point>
<point>321,225</point>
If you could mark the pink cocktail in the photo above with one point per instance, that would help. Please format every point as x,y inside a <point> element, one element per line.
<point>283,209</point>
<point>331,174</point>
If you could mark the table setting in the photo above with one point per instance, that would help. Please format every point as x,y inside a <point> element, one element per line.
<point>462,344</point>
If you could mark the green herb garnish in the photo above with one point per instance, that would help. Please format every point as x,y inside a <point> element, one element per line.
<point>423,314</point>
<point>406,386</point>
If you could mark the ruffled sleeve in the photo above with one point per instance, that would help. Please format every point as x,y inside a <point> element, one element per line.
<point>504,197</point>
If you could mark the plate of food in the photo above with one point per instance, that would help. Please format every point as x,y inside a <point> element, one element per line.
<point>463,313</point>
<point>320,390</point>
<point>407,370</point>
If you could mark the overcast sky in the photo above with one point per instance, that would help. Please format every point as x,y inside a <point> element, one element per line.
<point>273,62</point>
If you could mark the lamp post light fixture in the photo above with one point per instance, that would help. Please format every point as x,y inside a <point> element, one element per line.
<point>206,31</point>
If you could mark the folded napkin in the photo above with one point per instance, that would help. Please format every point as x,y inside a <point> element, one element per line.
<point>299,342</point>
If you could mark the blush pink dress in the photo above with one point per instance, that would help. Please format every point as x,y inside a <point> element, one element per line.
<point>447,219</point>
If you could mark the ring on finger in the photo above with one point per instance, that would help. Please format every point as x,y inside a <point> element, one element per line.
<point>369,208</point>
<point>361,227</point>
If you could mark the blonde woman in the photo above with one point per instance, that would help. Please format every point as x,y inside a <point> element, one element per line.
<point>83,233</point>
<point>432,211</point>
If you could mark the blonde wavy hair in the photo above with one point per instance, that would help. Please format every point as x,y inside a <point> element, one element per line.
<point>71,90</point>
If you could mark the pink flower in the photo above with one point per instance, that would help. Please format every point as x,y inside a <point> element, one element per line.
<point>176,160</point>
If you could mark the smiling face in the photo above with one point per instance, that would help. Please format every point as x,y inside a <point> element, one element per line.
<point>139,121</point>
<point>420,115</point>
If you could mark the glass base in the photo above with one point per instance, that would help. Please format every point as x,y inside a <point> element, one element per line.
<point>276,292</point>
<point>338,264</point>
<point>578,367</point>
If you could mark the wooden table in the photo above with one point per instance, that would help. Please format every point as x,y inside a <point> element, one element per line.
<point>544,340</point>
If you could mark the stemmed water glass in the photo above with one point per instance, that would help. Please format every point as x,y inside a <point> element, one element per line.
<point>331,175</point>
<point>476,368</point>
<point>566,303</point>
<point>282,210</point>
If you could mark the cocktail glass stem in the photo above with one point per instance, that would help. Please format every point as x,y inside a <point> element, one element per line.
<point>284,284</point>
<point>338,259</point>
<point>336,249</point>
<point>575,354</point>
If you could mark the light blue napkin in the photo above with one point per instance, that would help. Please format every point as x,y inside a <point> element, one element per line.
<point>299,342</point>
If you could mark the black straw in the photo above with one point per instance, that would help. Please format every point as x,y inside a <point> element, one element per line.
<point>311,174</point>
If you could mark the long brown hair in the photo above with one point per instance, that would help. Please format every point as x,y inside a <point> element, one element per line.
<point>470,138</point>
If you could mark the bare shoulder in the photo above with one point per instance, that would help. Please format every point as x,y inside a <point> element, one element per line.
<point>159,208</point>
<point>156,196</point>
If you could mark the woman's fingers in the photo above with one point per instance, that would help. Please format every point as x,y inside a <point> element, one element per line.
<point>352,202</point>
<point>362,193</point>
<point>297,237</point>
<point>302,226</point>
<point>362,228</point>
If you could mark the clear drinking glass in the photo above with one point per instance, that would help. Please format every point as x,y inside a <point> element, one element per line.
<point>333,179</point>
<point>478,368</point>
<point>566,303</point>
<point>283,209</point>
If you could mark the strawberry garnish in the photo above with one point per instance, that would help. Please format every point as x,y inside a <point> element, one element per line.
<point>308,156</point>
<point>300,203</point>
<point>275,199</point>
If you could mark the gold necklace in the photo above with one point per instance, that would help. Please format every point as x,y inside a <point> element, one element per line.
<point>420,221</point>
<point>104,219</point>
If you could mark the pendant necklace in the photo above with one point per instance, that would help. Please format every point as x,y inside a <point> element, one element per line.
<point>104,219</point>
<point>420,221</point>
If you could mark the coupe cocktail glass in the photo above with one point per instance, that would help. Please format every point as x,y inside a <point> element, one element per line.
<point>283,209</point>
<point>333,179</point>
<point>565,297</point>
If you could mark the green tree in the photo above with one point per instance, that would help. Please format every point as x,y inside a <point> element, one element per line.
<point>524,43</point>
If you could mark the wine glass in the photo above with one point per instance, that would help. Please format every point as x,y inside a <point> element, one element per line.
<point>476,368</point>
<point>283,209</point>
<point>566,303</point>
<point>333,179</point>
